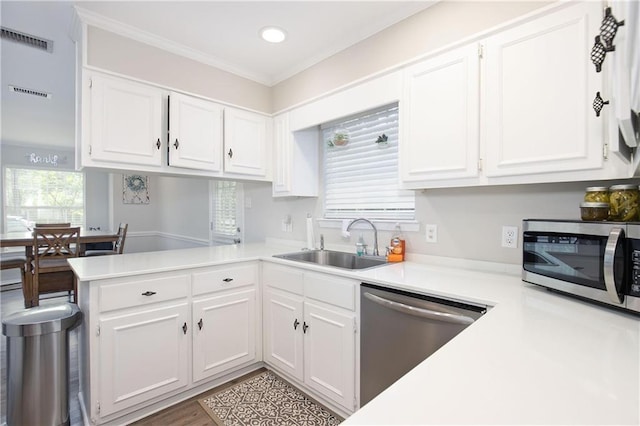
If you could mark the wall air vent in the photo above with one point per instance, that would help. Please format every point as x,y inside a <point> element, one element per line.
<point>27,39</point>
<point>25,91</point>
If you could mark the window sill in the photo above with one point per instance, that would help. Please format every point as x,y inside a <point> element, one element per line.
<point>381,225</point>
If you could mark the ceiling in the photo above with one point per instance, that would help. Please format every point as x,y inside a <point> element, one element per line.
<point>220,33</point>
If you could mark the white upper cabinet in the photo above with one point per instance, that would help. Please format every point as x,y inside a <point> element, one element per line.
<point>295,160</point>
<point>125,122</point>
<point>439,117</point>
<point>514,107</point>
<point>246,139</point>
<point>195,133</point>
<point>129,125</point>
<point>538,94</point>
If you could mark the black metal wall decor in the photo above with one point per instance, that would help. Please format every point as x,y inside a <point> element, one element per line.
<point>608,29</point>
<point>598,103</point>
<point>598,52</point>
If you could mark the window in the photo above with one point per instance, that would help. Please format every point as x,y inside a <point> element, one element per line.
<point>226,212</point>
<point>32,196</point>
<point>361,176</point>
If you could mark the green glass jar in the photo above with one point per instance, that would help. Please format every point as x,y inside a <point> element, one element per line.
<point>623,200</point>
<point>596,194</point>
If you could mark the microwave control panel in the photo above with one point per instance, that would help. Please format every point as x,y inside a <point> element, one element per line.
<point>634,289</point>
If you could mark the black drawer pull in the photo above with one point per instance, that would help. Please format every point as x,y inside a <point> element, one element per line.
<point>305,326</point>
<point>184,328</point>
<point>296,323</point>
<point>200,324</point>
<point>148,293</point>
<point>227,280</point>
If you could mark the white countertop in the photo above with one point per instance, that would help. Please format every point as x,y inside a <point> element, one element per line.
<point>535,358</point>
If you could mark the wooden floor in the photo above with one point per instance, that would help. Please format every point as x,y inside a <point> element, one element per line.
<point>187,413</point>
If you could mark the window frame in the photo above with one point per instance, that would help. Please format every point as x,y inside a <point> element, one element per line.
<point>385,214</point>
<point>215,237</point>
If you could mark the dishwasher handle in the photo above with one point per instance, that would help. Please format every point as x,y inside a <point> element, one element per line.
<point>420,312</point>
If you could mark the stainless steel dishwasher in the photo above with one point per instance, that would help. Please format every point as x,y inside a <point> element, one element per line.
<point>400,329</point>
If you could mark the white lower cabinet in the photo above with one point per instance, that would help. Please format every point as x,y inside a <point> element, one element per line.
<point>329,352</point>
<point>283,323</point>
<point>142,355</point>
<point>309,331</point>
<point>155,338</point>
<point>224,333</point>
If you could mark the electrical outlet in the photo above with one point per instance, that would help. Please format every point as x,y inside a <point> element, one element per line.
<point>431,232</point>
<point>510,236</point>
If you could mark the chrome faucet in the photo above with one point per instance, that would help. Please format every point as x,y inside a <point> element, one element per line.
<point>375,233</point>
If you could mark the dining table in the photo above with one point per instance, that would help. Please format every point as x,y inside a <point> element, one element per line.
<point>25,239</point>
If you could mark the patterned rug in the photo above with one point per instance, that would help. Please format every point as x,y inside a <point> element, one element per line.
<point>265,400</point>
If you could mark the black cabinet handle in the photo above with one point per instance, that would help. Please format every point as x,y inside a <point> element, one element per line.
<point>296,323</point>
<point>304,327</point>
<point>227,280</point>
<point>176,144</point>
<point>200,324</point>
<point>158,144</point>
<point>608,29</point>
<point>148,293</point>
<point>598,103</point>
<point>184,328</point>
<point>598,53</point>
<point>230,154</point>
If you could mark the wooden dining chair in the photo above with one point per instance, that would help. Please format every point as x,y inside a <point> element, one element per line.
<point>16,261</point>
<point>53,225</point>
<point>51,271</point>
<point>118,245</point>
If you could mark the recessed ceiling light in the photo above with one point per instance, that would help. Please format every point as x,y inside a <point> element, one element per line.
<point>273,34</point>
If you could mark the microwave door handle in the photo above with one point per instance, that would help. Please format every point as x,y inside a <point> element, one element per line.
<point>420,312</point>
<point>608,263</point>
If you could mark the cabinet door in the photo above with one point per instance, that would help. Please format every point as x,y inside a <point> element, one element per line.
<point>224,333</point>
<point>195,133</point>
<point>329,353</point>
<point>142,356</point>
<point>282,328</point>
<point>439,120</point>
<point>540,85</point>
<point>245,141</point>
<point>126,121</point>
<point>282,142</point>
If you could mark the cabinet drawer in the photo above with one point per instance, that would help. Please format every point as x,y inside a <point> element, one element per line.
<point>331,289</point>
<point>125,294</point>
<point>223,278</point>
<point>282,277</point>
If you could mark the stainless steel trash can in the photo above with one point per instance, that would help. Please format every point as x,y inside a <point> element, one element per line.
<point>38,364</point>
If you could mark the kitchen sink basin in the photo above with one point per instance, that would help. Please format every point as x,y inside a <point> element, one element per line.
<point>336,259</point>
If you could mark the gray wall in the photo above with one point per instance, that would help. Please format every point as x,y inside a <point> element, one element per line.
<point>469,220</point>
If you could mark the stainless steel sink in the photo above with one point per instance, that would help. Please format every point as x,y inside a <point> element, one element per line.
<point>336,259</point>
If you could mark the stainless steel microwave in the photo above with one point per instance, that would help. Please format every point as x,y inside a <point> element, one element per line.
<point>597,261</point>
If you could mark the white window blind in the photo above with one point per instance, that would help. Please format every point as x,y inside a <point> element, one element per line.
<point>226,212</point>
<point>361,177</point>
<point>42,196</point>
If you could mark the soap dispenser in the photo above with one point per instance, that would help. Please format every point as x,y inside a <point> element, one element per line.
<point>397,247</point>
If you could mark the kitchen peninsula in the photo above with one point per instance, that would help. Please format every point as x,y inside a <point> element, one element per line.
<point>534,358</point>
